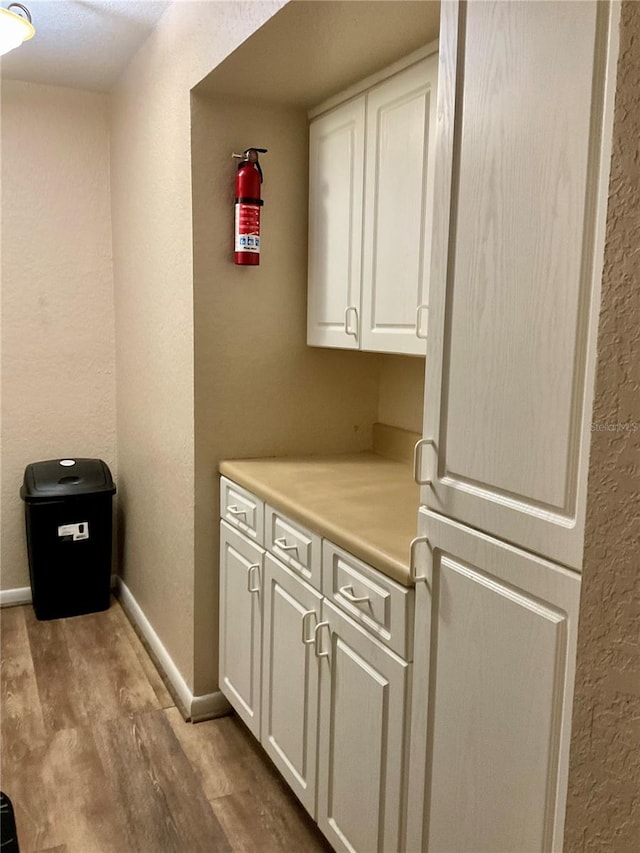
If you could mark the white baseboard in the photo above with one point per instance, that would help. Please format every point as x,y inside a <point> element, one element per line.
<point>197,707</point>
<point>12,597</point>
<point>208,706</point>
<point>22,594</point>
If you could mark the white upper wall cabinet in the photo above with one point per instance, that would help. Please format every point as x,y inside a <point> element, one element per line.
<point>370,203</point>
<point>336,169</point>
<point>522,169</point>
<point>398,196</point>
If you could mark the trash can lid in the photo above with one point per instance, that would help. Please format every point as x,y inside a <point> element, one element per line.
<point>64,478</point>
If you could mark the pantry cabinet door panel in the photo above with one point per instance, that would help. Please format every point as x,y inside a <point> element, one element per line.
<point>520,205</point>
<point>336,154</point>
<point>502,642</point>
<point>400,134</point>
<point>361,743</point>
<point>240,624</point>
<point>290,679</point>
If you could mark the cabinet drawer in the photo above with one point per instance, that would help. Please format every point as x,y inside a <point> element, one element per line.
<point>242,509</point>
<point>294,545</point>
<point>380,604</point>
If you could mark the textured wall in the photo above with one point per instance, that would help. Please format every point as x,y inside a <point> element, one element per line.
<point>603,812</point>
<point>401,392</point>
<point>153,277</point>
<point>260,390</point>
<point>58,360</point>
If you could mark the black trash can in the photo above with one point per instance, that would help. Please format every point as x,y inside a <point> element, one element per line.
<point>68,510</point>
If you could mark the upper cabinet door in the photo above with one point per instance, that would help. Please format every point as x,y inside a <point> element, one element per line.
<point>336,172</point>
<point>401,118</point>
<point>522,165</point>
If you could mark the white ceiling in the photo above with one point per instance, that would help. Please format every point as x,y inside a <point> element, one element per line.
<point>81,43</point>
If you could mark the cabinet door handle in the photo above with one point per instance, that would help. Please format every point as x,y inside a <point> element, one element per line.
<point>316,639</point>
<point>236,511</point>
<point>282,543</point>
<point>348,330</point>
<point>306,639</point>
<point>347,592</point>
<point>419,333</point>
<point>415,577</point>
<point>417,460</point>
<point>250,570</point>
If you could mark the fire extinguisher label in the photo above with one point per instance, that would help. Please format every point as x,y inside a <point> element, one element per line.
<point>247,228</point>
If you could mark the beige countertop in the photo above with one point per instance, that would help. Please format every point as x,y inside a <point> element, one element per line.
<point>363,502</point>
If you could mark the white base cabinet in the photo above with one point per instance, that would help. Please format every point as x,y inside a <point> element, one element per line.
<point>241,565</point>
<point>361,747</point>
<point>290,678</point>
<point>327,699</point>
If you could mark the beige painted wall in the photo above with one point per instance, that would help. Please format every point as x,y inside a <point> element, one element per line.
<point>259,389</point>
<point>58,361</point>
<point>184,399</point>
<point>153,275</point>
<point>401,392</point>
<point>603,812</point>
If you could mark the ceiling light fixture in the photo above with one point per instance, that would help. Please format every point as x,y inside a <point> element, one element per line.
<point>15,27</point>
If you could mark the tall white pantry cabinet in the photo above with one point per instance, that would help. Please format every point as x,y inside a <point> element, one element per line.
<point>525,107</point>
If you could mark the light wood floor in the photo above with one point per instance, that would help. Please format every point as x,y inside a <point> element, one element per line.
<point>96,758</point>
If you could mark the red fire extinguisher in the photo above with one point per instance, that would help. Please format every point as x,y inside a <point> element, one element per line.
<point>248,204</point>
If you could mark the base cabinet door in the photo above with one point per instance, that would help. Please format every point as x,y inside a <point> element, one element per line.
<point>290,676</point>
<point>361,744</point>
<point>241,564</point>
<point>500,657</point>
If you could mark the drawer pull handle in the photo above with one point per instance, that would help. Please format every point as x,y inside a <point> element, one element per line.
<point>417,461</point>
<point>250,570</point>
<point>236,511</point>
<point>282,543</point>
<point>306,639</point>
<point>348,593</point>
<point>316,639</point>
